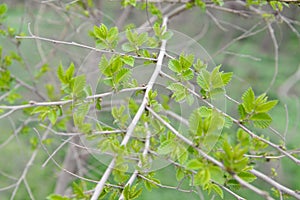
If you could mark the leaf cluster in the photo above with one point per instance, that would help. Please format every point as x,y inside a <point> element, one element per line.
<point>255,110</point>
<point>105,38</point>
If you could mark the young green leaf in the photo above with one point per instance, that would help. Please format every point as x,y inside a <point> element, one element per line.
<point>79,85</point>
<point>261,120</point>
<point>265,107</point>
<point>129,60</point>
<point>122,76</point>
<point>52,116</point>
<point>179,91</point>
<point>175,66</point>
<point>247,176</point>
<point>203,79</point>
<point>202,177</point>
<point>166,147</point>
<point>194,164</point>
<point>195,123</point>
<point>218,190</point>
<point>181,154</point>
<point>188,74</point>
<point>248,100</point>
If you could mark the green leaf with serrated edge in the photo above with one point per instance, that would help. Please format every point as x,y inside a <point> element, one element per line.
<point>217,175</point>
<point>152,42</point>
<point>199,65</point>
<point>70,72</point>
<point>130,36</point>
<point>129,60</point>
<point>261,120</point>
<point>115,64</point>
<point>261,99</point>
<point>248,100</point>
<point>240,164</point>
<point>83,109</point>
<point>117,112</point>
<point>195,123</point>
<point>128,47</point>
<point>202,177</point>
<point>175,66</point>
<point>203,79</point>
<point>194,164</point>
<point>227,149</point>
<point>218,190</point>
<point>215,78</point>
<point>247,176</point>
<point>265,107</point>
<point>179,91</point>
<point>188,75</point>
<point>242,111</point>
<point>243,137</point>
<point>113,35</point>
<point>226,77</point>
<point>101,31</point>
<point>232,183</point>
<point>186,61</point>
<point>141,39</point>
<point>182,154</point>
<point>61,74</point>
<point>228,122</point>
<point>216,122</point>
<point>122,75</point>
<point>103,65</point>
<point>166,147</point>
<point>79,84</point>
<point>205,112</point>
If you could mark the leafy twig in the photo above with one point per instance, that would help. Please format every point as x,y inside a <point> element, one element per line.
<point>137,116</point>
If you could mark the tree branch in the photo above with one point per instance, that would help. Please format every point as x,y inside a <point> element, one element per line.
<point>137,116</point>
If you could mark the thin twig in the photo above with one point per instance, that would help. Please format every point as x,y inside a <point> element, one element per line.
<point>275,184</point>
<point>56,150</point>
<point>165,186</point>
<point>216,21</point>
<point>140,163</point>
<point>35,37</point>
<point>275,44</point>
<point>26,169</point>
